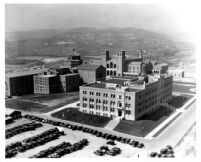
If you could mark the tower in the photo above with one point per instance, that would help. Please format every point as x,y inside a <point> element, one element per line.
<point>120,62</point>
<point>105,56</point>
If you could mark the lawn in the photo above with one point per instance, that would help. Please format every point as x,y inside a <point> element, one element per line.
<point>183,89</point>
<point>145,124</point>
<point>179,101</point>
<point>73,114</point>
<point>42,103</point>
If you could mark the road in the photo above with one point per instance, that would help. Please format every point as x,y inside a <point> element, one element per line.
<point>174,132</point>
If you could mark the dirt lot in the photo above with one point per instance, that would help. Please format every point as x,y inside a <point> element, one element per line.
<point>72,137</point>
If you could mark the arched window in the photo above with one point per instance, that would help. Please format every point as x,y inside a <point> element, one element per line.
<point>119,104</point>
<point>111,65</point>
<point>108,72</point>
<point>111,73</point>
<point>115,73</point>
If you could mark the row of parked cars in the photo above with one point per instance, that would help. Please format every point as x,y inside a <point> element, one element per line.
<point>105,150</point>
<point>61,149</point>
<point>22,128</point>
<point>96,133</point>
<point>32,142</point>
<point>164,152</point>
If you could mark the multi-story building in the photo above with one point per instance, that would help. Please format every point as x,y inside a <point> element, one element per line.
<point>176,73</point>
<point>56,80</point>
<point>160,68</point>
<point>128,98</point>
<point>70,82</point>
<point>46,83</point>
<point>19,83</point>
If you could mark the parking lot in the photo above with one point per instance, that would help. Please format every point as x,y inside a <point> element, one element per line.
<point>71,136</point>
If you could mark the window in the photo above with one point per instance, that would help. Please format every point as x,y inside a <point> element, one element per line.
<point>115,66</point>
<point>108,73</point>
<point>108,65</point>
<point>91,93</point>
<point>119,96</point>
<point>84,92</point>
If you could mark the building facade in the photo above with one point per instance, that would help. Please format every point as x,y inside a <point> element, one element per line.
<point>20,83</point>
<point>128,98</point>
<point>46,83</point>
<point>177,73</point>
<point>70,82</point>
<point>91,73</point>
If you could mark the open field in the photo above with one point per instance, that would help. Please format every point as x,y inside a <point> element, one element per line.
<point>144,125</point>
<point>42,103</point>
<point>73,114</point>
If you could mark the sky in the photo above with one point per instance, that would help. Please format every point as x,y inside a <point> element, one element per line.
<point>155,17</point>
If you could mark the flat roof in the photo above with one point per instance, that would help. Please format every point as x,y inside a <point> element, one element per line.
<point>47,75</point>
<point>116,81</point>
<point>24,73</point>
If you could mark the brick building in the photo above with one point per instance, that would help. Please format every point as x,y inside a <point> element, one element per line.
<point>128,98</point>
<point>20,83</point>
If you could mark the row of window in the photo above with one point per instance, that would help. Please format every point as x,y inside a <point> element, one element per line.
<point>128,112</point>
<point>111,65</point>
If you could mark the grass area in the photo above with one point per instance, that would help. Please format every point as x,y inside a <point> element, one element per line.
<point>178,101</point>
<point>42,103</point>
<point>73,114</point>
<point>183,89</point>
<point>145,124</point>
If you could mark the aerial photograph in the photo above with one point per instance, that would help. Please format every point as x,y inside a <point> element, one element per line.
<point>99,80</point>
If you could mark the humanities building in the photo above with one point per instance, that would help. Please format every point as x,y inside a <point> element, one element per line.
<point>135,87</point>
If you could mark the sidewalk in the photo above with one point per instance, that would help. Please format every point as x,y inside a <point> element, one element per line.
<point>150,136</point>
<point>74,104</point>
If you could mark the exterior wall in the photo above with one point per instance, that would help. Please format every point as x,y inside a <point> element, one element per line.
<point>120,63</point>
<point>106,102</point>
<point>88,76</point>
<point>158,69</point>
<point>19,85</point>
<point>134,68</point>
<point>91,76</point>
<point>69,82</point>
<point>46,85</point>
<point>111,68</point>
<point>131,105</point>
<point>177,74</point>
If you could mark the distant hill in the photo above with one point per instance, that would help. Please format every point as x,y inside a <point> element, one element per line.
<point>91,41</point>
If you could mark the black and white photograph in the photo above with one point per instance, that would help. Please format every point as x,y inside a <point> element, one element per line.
<point>100,80</point>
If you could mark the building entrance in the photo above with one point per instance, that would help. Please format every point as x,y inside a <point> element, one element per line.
<point>119,112</point>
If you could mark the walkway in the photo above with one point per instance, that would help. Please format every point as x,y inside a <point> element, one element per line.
<point>74,104</point>
<point>112,124</point>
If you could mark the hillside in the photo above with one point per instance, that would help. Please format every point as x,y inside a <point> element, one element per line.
<point>91,41</point>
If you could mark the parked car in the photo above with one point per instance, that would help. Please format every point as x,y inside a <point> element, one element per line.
<point>111,142</point>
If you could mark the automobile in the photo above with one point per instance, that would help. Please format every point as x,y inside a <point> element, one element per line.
<point>104,147</point>
<point>163,150</point>
<point>113,137</point>
<point>135,143</point>
<point>99,134</point>
<point>112,152</point>
<point>99,152</point>
<point>153,154</point>
<point>117,149</point>
<point>84,141</point>
<point>111,142</point>
<point>140,145</point>
<point>104,135</point>
<point>119,139</point>
<point>108,137</point>
<point>169,147</point>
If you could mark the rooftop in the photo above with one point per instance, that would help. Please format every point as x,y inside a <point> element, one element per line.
<point>91,67</point>
<point>47,75</point>
<point>25,73</point>
<point>116,80</point>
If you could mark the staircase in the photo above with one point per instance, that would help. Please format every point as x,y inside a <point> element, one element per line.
<point>112,124</point>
